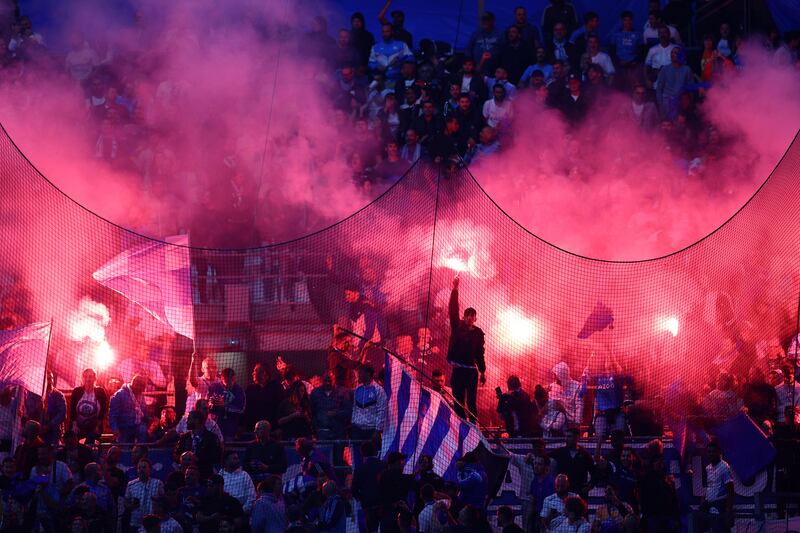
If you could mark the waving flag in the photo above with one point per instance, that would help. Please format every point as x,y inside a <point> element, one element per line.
<point>420,422</point>
<point>157,276</point>
<point>23,356</point>
<point>601,318</point>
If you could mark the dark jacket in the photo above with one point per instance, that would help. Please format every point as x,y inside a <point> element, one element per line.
<point>331,411</point>
<point>262,403</point>
<point>102,400</point>
<point>208,451</point>
<point>365,481</point>
<point>518,413</point>
<point>467,346</point>
<point>271,453</point>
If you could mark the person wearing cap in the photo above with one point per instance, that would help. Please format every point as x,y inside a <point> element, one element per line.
<point>484,44</point>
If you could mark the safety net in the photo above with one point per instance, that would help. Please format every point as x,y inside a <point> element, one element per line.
<point>125,304</point>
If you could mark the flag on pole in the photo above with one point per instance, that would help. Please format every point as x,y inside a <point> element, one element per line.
<point>157,276</point>
<point>23,356</point>
<point>600,318</point>
<point>420,422</point>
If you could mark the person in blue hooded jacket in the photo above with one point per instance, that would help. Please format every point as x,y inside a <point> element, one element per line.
<point>389,54</point>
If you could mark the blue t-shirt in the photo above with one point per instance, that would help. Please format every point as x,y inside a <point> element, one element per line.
<point>547,70</point>
<point>626,44</point>
<point>607,392</point>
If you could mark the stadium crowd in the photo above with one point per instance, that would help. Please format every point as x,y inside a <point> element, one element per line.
<point>228,442</point>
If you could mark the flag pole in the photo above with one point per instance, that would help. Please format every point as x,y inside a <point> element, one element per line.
<point>46,367</point>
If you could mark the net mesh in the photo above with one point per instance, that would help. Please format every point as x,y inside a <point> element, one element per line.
<point>729,301</point>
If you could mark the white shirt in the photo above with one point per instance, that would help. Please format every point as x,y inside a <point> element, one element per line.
<point>717,478</point>
<point>604,60</point>
<point>496,114</point>
<point>427,519</point>
<point>239,485</point>
<point>144,491</point>
<point>211,425</point>
<point>649,33</point>
<point>554,503</point>
<point>659,56</point>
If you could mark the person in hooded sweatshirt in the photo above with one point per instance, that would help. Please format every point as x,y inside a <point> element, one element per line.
<point>569,391</point>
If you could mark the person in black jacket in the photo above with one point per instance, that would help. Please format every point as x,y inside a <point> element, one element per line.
<point>464,353</point>
<point>203,443</point>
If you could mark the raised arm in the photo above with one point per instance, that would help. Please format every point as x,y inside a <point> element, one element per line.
<point>453,308</point>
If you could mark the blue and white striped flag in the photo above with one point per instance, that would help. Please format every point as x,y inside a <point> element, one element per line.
<point>23,356</point>
<point>157,276</point>
<point>420,422</point>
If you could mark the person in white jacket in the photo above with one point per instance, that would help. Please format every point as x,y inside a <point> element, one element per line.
<point>569,391</point>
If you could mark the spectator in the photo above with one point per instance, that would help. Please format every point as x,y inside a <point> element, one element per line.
<point>333,514</point>
<point>237,482</point>
<point>393,486</point>
<point>529,34</point>
<point>93,480</point>
<point>575,462</point>
<point>369,406</point>
<point>660,55</point>
<point>726,45</point>
<point>331,408</point>
<point>594,56</point>
<point>81,59</point>
<point>671,82</point>
<point>505,520</point>
<point>198,385</point>
<point>626,50</point>
<point>554,512</point>
<point>722,403</point>
<point>269,511</point>
<point>362,40</point>
<point>642,112</point>
<point>651,33</point>
<point>716,510</point>
<point>217,506</point>
<point>487,145</point>
<point>608,381</point>
<point>398,22</point>
<point>75,454</point>
<point>787,53</point>
<point>127,414</point>
<point>558,12</point>
<point>348,93</point>
<point>161,431</point>
<point>473,485</point>
<point>294,413</point>
<point>204,444</point>
<point>261,397</point>
<point>498,111</point>
<point>139,451</point>
<point>393,167</point>
<point>569,391</point>
<point>515,54</point>
<point>26,454</point>
<point>574,102</point>
<point>55,412</point>
<point>313,463</point>
<point>389,118</point>
<point>227,402</point>
<point>575,511</point>
<point>788,397</point>
<point>484,44</point>
<point>614,514</point>
<point>344,53</point>
<point>433,516</point>
<point>140,493</point>
<point>659,500</point>
<point>516,408</point>
<point>560,49</point>
<point>580,37</point>
<point>190,495</point>
<point>88,407</point>
<point>54,482</point>
<point>210,424</point>
<point>365,486</point>
<point>167,524</point>
<point>759,397</point>
<point>388,55</point>
<point>501,78</point>
<point>428,124</point>
<point>540,65</point>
